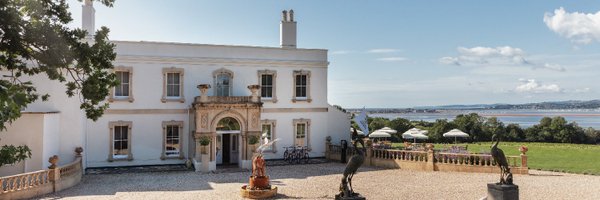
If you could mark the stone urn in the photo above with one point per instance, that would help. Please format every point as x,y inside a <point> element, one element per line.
<point>523,150</point>
<point>53,160</point>
<point>429,146</point>
<point>78,151</point>
<point>254,89</point>
<point>203,92</point>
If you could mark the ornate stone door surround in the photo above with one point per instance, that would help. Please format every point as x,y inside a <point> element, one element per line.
<point>209,110</point>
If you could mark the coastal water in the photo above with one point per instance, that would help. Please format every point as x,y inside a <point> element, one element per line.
<point>525,118</point>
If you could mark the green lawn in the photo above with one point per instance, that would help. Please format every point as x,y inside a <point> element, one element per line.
<point>573,158</point>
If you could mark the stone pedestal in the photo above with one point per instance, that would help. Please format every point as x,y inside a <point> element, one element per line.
<point>502,192</point>
<point>354,196</point>
<point>204,164</point>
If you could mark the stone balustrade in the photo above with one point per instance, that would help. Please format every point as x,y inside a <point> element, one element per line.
<point>431,160</point>
<point>417,156</point>
<point>226,99</point>
<point>32,184</point>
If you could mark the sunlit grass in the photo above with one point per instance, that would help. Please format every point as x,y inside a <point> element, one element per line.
<point>573,158</point>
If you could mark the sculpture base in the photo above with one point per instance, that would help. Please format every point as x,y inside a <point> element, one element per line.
<point>502,192</point>
<point>258,182</point>
<point>245,192</point>
<point>354,196</point>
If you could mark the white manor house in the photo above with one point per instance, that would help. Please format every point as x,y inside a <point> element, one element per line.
<point>172,94</point>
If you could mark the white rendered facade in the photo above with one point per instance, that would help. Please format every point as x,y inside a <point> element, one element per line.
<point>152,119</point>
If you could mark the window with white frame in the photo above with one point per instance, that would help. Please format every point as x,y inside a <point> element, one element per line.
<point>173,85</point>
<point>267,79</point>
<point>123,91</point>
<point>301,86</point>
<point>268,131</point>
<point>120,141</point>
<point>223,82</point>
<point>266,86</point>
<point>172,141</point>
<point>302,132</point>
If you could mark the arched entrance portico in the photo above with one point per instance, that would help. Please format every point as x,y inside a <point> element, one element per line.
<point>228,142</point>
<point>235,117</point>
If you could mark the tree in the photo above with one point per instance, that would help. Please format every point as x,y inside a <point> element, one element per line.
<point>470,124</point>
<point>377,123</point>
<point>401,125</point>
<point>440,127</point>
<point>492,126</point>
<point>35,39</point>
<point>514,132</point>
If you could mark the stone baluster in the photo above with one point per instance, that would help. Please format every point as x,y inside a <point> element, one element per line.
<point>430,165</point>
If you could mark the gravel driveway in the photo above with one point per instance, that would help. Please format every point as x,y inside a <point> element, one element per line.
<point>321,181</point>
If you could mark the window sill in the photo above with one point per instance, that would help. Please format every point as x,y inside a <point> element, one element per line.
<point>120,159</point>
<point>121,99</point>
<point>177,99</point>
<point>171,157</point>
<point>301,100</point>
<point>272,100</point>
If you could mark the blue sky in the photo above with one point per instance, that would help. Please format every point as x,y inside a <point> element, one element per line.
<point>400,53</point>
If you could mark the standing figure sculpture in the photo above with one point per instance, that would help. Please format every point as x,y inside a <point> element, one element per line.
<point>346,190</point>
<point>500,158</point>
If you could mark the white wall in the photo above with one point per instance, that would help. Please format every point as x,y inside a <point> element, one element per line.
<point>27,130</point>
<point>51,138</point>
<point>339,125</point>
<point>146,139</point>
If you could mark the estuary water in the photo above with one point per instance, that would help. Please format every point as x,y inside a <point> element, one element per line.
<point>525,118</point>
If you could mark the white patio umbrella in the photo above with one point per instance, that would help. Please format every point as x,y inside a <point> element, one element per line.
<point>379,134</point>
<point>388,130</point>
<point>415,133</point>
<point>456,134</point>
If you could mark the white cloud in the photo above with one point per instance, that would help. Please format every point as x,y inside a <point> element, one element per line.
<point>382,50</point>
<point>392,59</point>
<point>449,61</point>
<point>504,55</point>
<point>582,90</point>
<point>581,28</point>
<point>533,86</point>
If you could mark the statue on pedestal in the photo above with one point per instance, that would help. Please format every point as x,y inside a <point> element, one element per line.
<point>259,186</point>
<point>505,189</point>
<point>346,190</point>
<point>500,158</point>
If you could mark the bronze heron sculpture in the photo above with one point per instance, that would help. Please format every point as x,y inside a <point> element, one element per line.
<point>346,190</point>
<point>500,158</point>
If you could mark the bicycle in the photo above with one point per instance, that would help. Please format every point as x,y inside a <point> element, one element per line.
<point>289,156</point>
<point>303,156</point>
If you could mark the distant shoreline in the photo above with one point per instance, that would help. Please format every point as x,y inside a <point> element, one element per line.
<point>539,115</point>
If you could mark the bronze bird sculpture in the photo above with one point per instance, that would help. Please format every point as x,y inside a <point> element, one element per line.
<point>353,164</point>
<point>500,158</point>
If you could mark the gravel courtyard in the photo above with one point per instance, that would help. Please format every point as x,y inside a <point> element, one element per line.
<point>321,181</point>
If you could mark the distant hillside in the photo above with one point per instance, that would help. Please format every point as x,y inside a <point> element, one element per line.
<point>593,104</point>
<point>572,104</point>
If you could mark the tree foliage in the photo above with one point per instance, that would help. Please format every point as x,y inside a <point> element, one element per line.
<point>35,39</point>
<point>555,129</point>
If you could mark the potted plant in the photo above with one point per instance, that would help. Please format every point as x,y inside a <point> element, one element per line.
<point>204,142</point>
<point>253,140</point>
<point>328,139</point>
